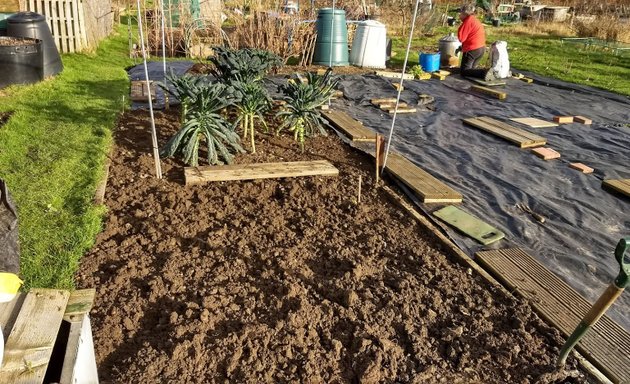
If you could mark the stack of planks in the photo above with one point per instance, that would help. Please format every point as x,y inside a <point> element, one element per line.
<point>506,131</point>
<point>389,105</point>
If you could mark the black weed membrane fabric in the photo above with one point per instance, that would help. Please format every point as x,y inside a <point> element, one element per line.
<point>583,221</point>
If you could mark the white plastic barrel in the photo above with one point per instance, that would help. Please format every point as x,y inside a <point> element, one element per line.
<point>369,45</point>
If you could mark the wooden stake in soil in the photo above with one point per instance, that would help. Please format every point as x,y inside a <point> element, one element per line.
<point>380,141</point>
<point>359,193</point>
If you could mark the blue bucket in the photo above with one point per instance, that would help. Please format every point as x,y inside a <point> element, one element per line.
<point>430,62</point>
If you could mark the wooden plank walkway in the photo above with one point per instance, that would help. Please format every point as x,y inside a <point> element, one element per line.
<point>617,185</point>
<point>606,345</point>
<point>428,188</point>
<point>506,131</point>
<point>206,174</point>
<point>349,126</point>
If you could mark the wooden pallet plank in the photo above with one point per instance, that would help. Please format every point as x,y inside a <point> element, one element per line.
<point>394,75</point>
<point>469,225</point>
<point>617,185</point>
<point>349,126</point>
<point>30,344</point>
<point>534,122</point>
<point>515,135</point>
<point>510,128</point>
<point>68,27</point>
<point>607,345</point>
<point>490,92</point>
<point>427,187</point>
<point>206,174</point>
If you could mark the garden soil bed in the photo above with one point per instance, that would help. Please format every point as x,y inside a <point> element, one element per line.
<point>290,280</point>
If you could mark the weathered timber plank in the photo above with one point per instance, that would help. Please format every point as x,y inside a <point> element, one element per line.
<point>29,346</point>
<point>490,92</point>
<point>401,110</point>
<point>430,189</point>
<point>510,128</point>
<point>200,175</point>
<point>607,345</point>
<point>394,75</point>
<point>534,122</point>
<point>79,303</point>
<point>388,106</point>
<point>515,135</point>
<point>618,185</point>
<point>349,126</point>
<point>9,312</point>
<point>385,100</point>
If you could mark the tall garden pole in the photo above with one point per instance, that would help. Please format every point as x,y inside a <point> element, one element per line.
<point>400,87</point>
<point>156,152</point>
<point>163,37</point>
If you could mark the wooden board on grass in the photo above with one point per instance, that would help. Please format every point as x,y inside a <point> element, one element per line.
<point>427,187</point>
<point>349,126</point>
<point>490,92</point>
<point>206,174</point>
<point>30,344</point>
<point>534,122</point>
<point>617,185</point>
<point>505,131</point>
<point>469,225</point>
<point>606,345</point>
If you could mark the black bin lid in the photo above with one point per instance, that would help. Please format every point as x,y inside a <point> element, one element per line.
<point>26,17</point>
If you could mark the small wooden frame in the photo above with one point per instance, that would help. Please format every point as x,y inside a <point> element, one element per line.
<point>581,167</point>
<point>505,131</point>
<point>546,153</point>
<point>621,186</point>
<point>563,119</point>
<point>206,174</point>
<point>394,75</point>
<point>490,92</point>
<point>582,120</point>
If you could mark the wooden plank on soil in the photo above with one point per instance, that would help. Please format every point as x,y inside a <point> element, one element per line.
<point>534,122</point>
<point>427,187</point>
<point>505,131</point>
<point>30,344</point>
<point>617,185</point>
<point>349,126</point>
<point>206,174</point>
<point>606,345</point>
<point>469,225</point>
<point>490,92</point>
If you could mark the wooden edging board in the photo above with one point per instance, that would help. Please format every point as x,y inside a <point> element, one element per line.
<point>490,92</point>
<point>205,174</point>
<point>459,255</point>
<point>534,122</point>
<point>617,185</point>
<point>606,345</point>
<point>427,187</point>
<point>505,131</point>
<point>349,126</point>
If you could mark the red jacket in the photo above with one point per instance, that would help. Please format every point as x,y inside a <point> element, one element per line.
<point>471,34</point>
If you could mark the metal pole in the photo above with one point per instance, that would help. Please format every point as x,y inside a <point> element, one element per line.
<point>400,87</point>
<point>156,152</point>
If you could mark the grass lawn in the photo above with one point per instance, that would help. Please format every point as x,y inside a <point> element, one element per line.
<point>52,152</point>
<point>539,49</point>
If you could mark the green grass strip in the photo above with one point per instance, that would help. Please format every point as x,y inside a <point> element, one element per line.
<point>542,53</point>
<point>52,153</point>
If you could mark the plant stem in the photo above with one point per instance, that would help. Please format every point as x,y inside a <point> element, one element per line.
<point>244,125</point>
<point>251,124</point>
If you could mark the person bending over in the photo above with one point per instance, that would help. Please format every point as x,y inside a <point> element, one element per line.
<point>473,38</point>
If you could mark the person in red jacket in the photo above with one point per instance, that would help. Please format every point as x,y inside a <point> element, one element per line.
<point>473,38</point>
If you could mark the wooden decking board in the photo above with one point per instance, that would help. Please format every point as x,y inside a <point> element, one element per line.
<point>430,189</point>
<point>200,175</point>
<point>607,345</point>
<point>515,135</point>
<point>491,92</point>
<point>618,185</point>
<point>351,127</point>
<point>534,122</point>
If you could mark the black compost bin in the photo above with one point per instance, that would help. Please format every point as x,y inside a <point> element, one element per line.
<point>21,60</point>
<point>33,25</point>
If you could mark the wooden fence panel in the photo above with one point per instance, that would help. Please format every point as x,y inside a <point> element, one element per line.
<point>66,20</point>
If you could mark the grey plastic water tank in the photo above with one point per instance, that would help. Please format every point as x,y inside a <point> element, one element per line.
<point>33,25</point>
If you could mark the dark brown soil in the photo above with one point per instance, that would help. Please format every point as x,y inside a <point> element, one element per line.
<point>290,280</point>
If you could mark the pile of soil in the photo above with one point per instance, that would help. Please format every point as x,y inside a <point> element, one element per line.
<point>290,280</point>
